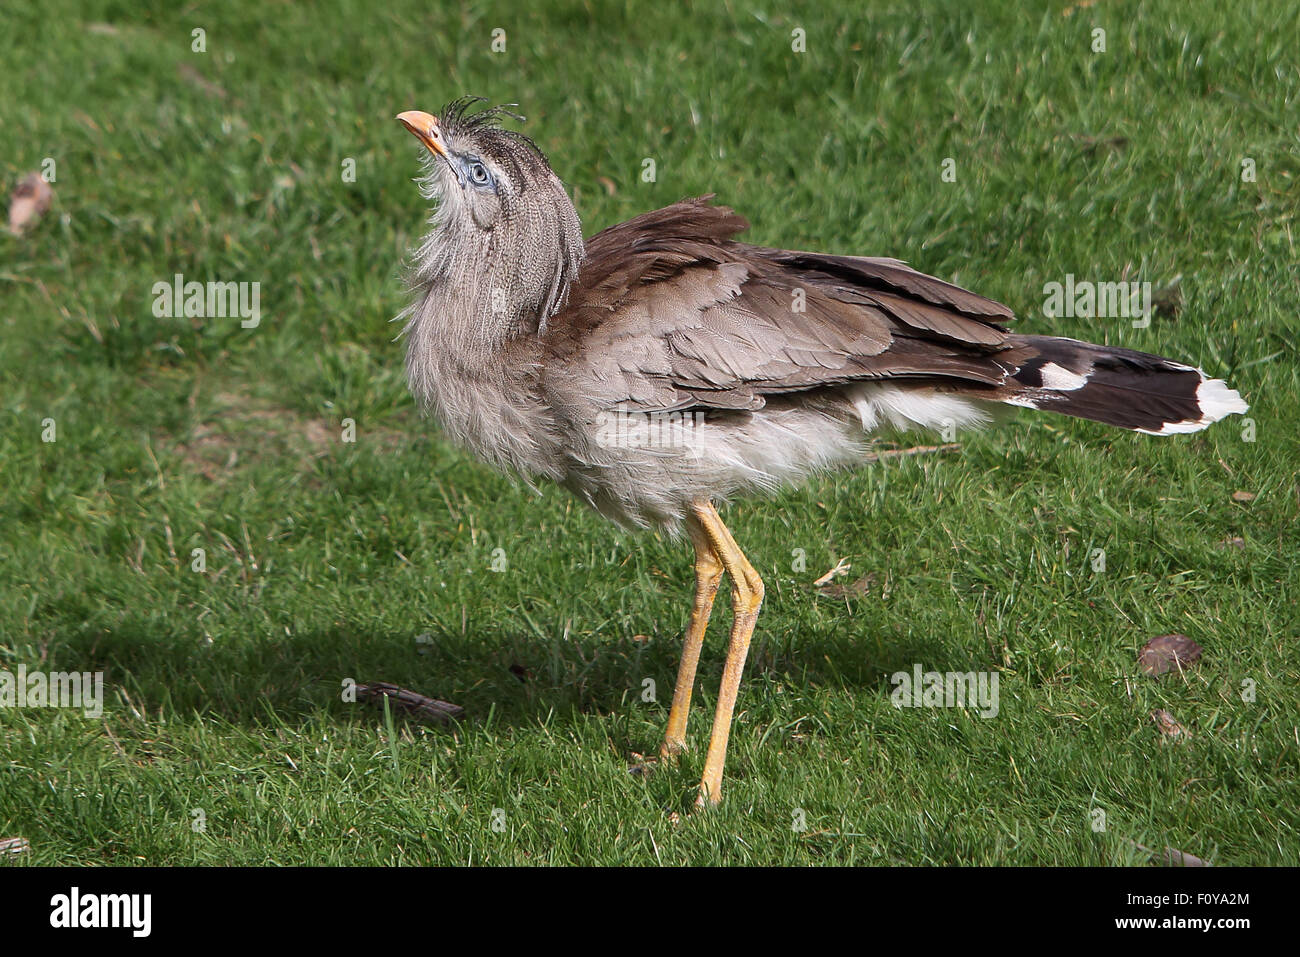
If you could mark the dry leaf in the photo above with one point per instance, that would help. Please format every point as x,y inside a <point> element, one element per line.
<point>853,590</point>
<point>191,74</point>
<point>1171,857</point>
<point>1168,725</point>
<point>886,454</point>
<point>1243,496</point>
<point>1082,5</point>
<point>841,568</point>
<point>1166,652</point>
<point>1168,299</point>
<point>86,120</point>
<point>1177,858</point>
<point>409,702</point>
<point>30,199</point>
<point>1092,144</point>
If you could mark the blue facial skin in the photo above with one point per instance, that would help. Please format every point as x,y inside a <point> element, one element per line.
<point>473,172</point>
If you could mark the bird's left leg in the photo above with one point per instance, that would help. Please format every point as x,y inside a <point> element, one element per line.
<point>746,600</point>
<point>708,575</point>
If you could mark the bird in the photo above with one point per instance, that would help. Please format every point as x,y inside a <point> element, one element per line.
<point>664,366</point>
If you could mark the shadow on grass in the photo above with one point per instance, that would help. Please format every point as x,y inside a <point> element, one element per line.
<point>514,677</point>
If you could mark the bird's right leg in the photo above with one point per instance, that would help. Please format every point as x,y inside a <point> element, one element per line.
<point>708,575</point>
<point>746,600</point>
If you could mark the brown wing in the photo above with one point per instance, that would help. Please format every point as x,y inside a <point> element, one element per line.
<point>670,312</point>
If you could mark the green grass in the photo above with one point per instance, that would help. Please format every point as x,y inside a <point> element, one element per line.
<point>327,560</point>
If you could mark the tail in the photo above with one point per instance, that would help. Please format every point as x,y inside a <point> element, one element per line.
<point>1132,390</point>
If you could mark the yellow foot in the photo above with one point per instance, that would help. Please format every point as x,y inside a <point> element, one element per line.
<point>708,797</point>
<point>670,750</point>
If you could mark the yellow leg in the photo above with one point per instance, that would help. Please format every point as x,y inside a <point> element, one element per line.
<point>708,575</point>
<point>746,600</point>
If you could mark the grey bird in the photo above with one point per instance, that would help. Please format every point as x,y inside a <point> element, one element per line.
<point>663,366</point>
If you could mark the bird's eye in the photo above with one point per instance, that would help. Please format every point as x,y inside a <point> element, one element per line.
<point>479,175</point>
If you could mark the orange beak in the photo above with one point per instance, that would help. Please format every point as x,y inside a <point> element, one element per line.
<point>425,128</point>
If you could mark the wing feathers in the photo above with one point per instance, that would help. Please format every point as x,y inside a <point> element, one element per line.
<point>670,311</point>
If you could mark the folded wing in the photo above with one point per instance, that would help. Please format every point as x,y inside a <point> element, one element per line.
<point>671,312</point>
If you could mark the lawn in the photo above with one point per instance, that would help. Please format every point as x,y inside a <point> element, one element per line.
<point>271,156</point>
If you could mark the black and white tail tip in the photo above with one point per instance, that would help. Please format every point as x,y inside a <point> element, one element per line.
<point>1132,390</point>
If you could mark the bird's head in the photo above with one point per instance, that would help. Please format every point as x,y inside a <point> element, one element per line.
<point>506,241</point>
